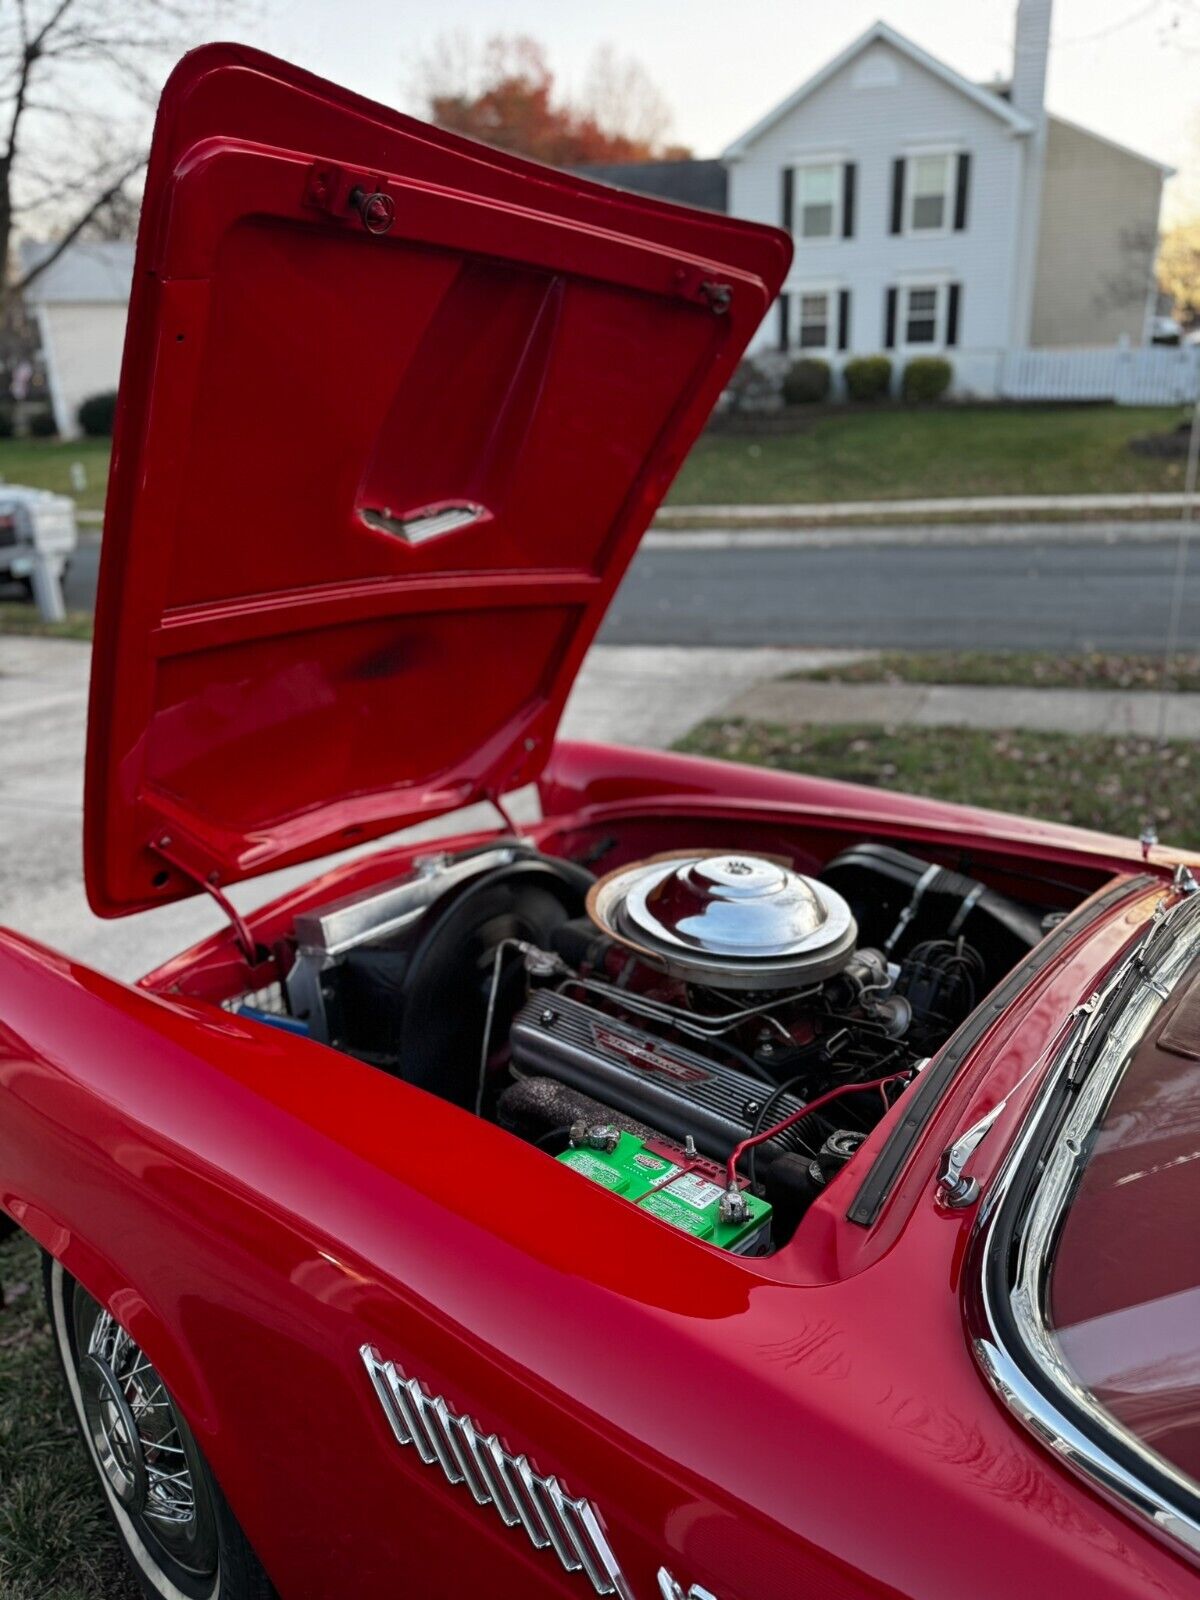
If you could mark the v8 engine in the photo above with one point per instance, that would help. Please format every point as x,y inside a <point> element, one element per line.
<point>709,1034</point>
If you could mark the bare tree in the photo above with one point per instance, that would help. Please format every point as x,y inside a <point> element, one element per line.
<point>1129,285</point>
<point>77,80</point>
<point>621,98</point>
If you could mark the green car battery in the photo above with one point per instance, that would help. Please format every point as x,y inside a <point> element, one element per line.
<point>682,1189</point>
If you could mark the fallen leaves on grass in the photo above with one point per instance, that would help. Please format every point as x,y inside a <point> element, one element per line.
<point>1113,785</point>
<point>1018,669</point>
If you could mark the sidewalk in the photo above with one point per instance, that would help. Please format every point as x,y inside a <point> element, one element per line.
<point>1112,712</point>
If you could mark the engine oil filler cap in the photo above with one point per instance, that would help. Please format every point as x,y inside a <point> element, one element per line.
<point>732,919</point>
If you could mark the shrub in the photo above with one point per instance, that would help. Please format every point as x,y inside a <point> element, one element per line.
<point>6,423</point>
<point>926,378</point>
<point>752,388</point>
<point>868,377</point>
<point>42,424</point>
<point>806,381</point>
<point>96,414</point>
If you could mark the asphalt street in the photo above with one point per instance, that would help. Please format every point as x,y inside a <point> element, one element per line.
<point>1068,596</point>
<point>1053,596</point>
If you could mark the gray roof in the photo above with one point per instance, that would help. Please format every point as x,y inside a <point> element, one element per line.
<point>690,183</point>
<point>89,272</point>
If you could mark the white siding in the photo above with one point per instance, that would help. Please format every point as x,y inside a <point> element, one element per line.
<point>879,106</point>
<point>82,345</point>
<point>1099,235</point>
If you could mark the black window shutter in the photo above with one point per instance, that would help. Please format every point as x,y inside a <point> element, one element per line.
<point>889,321</point>
<point>952,314</point>
<point>843,337</point>
<point>783,321</point>
<point>962,182</point>
<point>785,204</point>
<point>898,195</point>
<point>849,174</point>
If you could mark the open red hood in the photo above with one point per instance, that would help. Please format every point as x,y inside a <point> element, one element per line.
<point>372,490</point>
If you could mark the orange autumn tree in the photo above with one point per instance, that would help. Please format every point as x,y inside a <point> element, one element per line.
<point>504,93</point>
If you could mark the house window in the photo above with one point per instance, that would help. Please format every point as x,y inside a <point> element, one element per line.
<point>814,321</point>
<point>930,180</point>
<point>818,200</point>
<point>923,315</point>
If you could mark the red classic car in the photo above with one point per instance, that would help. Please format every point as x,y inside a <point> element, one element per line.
<point>733,1185</point>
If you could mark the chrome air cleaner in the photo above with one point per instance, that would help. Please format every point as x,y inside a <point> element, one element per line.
<point>727,919</point>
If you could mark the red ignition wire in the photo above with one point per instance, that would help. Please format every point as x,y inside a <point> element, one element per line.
<point>790,1122</point>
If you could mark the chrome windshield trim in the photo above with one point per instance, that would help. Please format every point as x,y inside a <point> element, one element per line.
<point>1012,1341</point>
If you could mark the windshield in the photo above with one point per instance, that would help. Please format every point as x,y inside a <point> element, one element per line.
<point>1124,1288</point>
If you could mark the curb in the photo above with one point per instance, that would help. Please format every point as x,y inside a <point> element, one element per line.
<point>970,534</point>
<point>767,515</point>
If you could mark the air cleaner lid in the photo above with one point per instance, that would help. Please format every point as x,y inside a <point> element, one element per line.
<point>730,917</point>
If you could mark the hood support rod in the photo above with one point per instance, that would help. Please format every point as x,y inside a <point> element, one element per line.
<point>164,846</point>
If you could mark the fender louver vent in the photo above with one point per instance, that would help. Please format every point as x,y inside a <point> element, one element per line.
<point>523,1498</point>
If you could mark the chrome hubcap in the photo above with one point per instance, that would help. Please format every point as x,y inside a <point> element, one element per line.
<point>114,1433</point>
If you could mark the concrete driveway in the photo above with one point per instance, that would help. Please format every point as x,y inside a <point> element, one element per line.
<point>629,695</point>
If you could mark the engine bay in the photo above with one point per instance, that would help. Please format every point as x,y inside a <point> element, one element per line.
<point>710,1034</point>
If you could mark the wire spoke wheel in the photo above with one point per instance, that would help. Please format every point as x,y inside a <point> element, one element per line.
<point>177,1528</point>
<point>143,1447</point>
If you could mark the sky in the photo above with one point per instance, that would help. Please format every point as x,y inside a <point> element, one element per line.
<point>1129,69</point>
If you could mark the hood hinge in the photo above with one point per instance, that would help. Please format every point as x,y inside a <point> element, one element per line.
<point>165,846</point>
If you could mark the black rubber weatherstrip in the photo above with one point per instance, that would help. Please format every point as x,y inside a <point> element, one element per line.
<point>923,1098</point>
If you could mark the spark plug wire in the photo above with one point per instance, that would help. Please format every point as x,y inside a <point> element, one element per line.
<point>790,1121</point>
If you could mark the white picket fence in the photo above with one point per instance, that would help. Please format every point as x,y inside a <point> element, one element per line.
<point>1153,375</point>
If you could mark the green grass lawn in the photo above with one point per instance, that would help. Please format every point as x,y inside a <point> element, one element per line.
<point>1112,784</point>
<point>1023,669</point>
<point>901,453</point>
<point>21,616</point>
<point>46,464</point>
<point>56,1542</point>
<point>874,454</point>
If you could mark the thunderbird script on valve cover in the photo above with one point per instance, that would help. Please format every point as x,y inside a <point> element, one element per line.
<point>737,1187</point>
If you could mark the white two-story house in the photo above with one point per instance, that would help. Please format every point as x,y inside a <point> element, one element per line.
<point>932,215</point>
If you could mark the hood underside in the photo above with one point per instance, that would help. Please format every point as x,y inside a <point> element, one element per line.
<point>395,410</point>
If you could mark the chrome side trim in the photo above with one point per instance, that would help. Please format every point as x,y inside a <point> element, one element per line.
<point>1013,1343</point>
<point>671,1589</point>
<point>540,1505</point>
